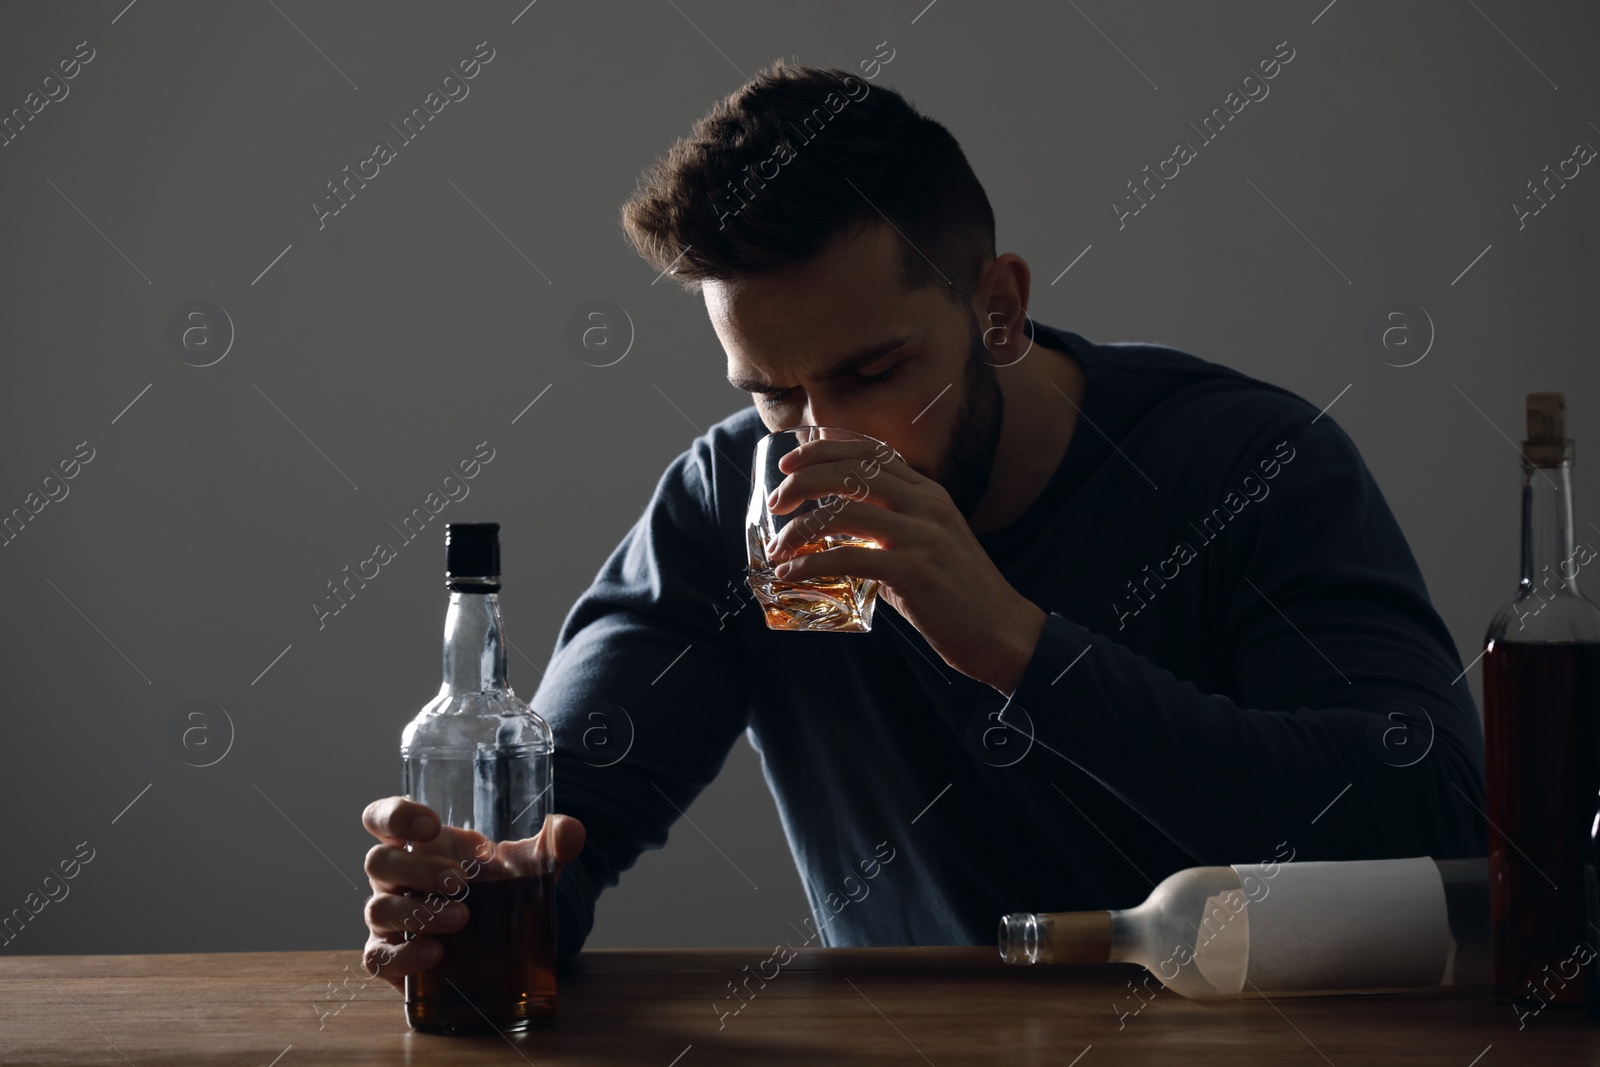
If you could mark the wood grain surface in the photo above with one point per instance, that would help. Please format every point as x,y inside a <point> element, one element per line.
<point>660,1008</point>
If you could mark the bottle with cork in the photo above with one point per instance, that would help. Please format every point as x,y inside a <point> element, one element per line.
<point>1541,709</point>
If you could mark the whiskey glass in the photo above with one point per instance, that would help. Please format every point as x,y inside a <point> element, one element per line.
<point>841,604</point>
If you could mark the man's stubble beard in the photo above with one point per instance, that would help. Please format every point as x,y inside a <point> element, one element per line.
<point>967,461</point>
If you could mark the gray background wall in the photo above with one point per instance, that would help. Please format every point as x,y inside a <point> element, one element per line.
<point>374,354</point>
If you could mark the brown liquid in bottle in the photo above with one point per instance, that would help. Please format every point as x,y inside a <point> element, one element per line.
<point>1539,703</point>
<point>499,971</point>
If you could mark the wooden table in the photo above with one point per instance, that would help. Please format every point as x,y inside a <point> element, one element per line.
<point>834,1007</point>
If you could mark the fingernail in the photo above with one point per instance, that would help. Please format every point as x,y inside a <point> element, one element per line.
<point>781,569</point>
<point>454,913</point>
<point>431,951</point>
<point>422,826</point>
<point>450,880</point>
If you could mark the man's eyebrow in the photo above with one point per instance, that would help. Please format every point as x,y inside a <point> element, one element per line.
<point>840,369</point>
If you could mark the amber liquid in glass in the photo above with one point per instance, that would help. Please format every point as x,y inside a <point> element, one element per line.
<point>1539,703</point>
<point>498,973</point>
<point>841,605</point>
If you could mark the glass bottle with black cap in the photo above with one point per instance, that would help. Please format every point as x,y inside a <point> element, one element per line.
<point>480,758</point>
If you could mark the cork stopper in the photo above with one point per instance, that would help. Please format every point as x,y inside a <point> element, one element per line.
<point>1547,444</point>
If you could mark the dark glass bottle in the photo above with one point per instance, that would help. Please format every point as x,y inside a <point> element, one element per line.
<point>1541,700</point>
<point>480,758</point>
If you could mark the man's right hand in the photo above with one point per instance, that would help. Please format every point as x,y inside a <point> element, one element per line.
<point>433,865</point>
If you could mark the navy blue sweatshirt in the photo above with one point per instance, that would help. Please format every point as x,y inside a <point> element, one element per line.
<point>1240,663</point>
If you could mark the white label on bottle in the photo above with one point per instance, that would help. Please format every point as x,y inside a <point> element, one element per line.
<point>1222,942</point>
<point>1363,924</point>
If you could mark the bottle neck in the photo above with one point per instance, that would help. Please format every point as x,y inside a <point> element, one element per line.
<point>474,645</point>
<point>1057,937</point>
<point>1133,932</point>
<point>1548,563</point>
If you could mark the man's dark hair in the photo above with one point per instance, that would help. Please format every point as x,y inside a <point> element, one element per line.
<point>797,156</point>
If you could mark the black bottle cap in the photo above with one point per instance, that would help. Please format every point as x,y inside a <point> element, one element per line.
<point>472,557</point>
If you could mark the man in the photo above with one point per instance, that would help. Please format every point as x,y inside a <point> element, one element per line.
<point>1140,611</point>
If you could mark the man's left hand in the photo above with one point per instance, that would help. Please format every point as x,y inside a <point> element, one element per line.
<point>930,566</point>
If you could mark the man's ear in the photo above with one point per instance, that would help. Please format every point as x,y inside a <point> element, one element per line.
<point>1003,309</point>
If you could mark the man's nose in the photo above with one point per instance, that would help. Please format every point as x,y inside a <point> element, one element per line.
<point>815,414</point>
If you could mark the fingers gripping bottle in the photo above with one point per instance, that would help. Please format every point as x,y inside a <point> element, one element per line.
<point>480,758</point>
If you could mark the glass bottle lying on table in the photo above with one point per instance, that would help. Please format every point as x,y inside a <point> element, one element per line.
<point>1294,929</point>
